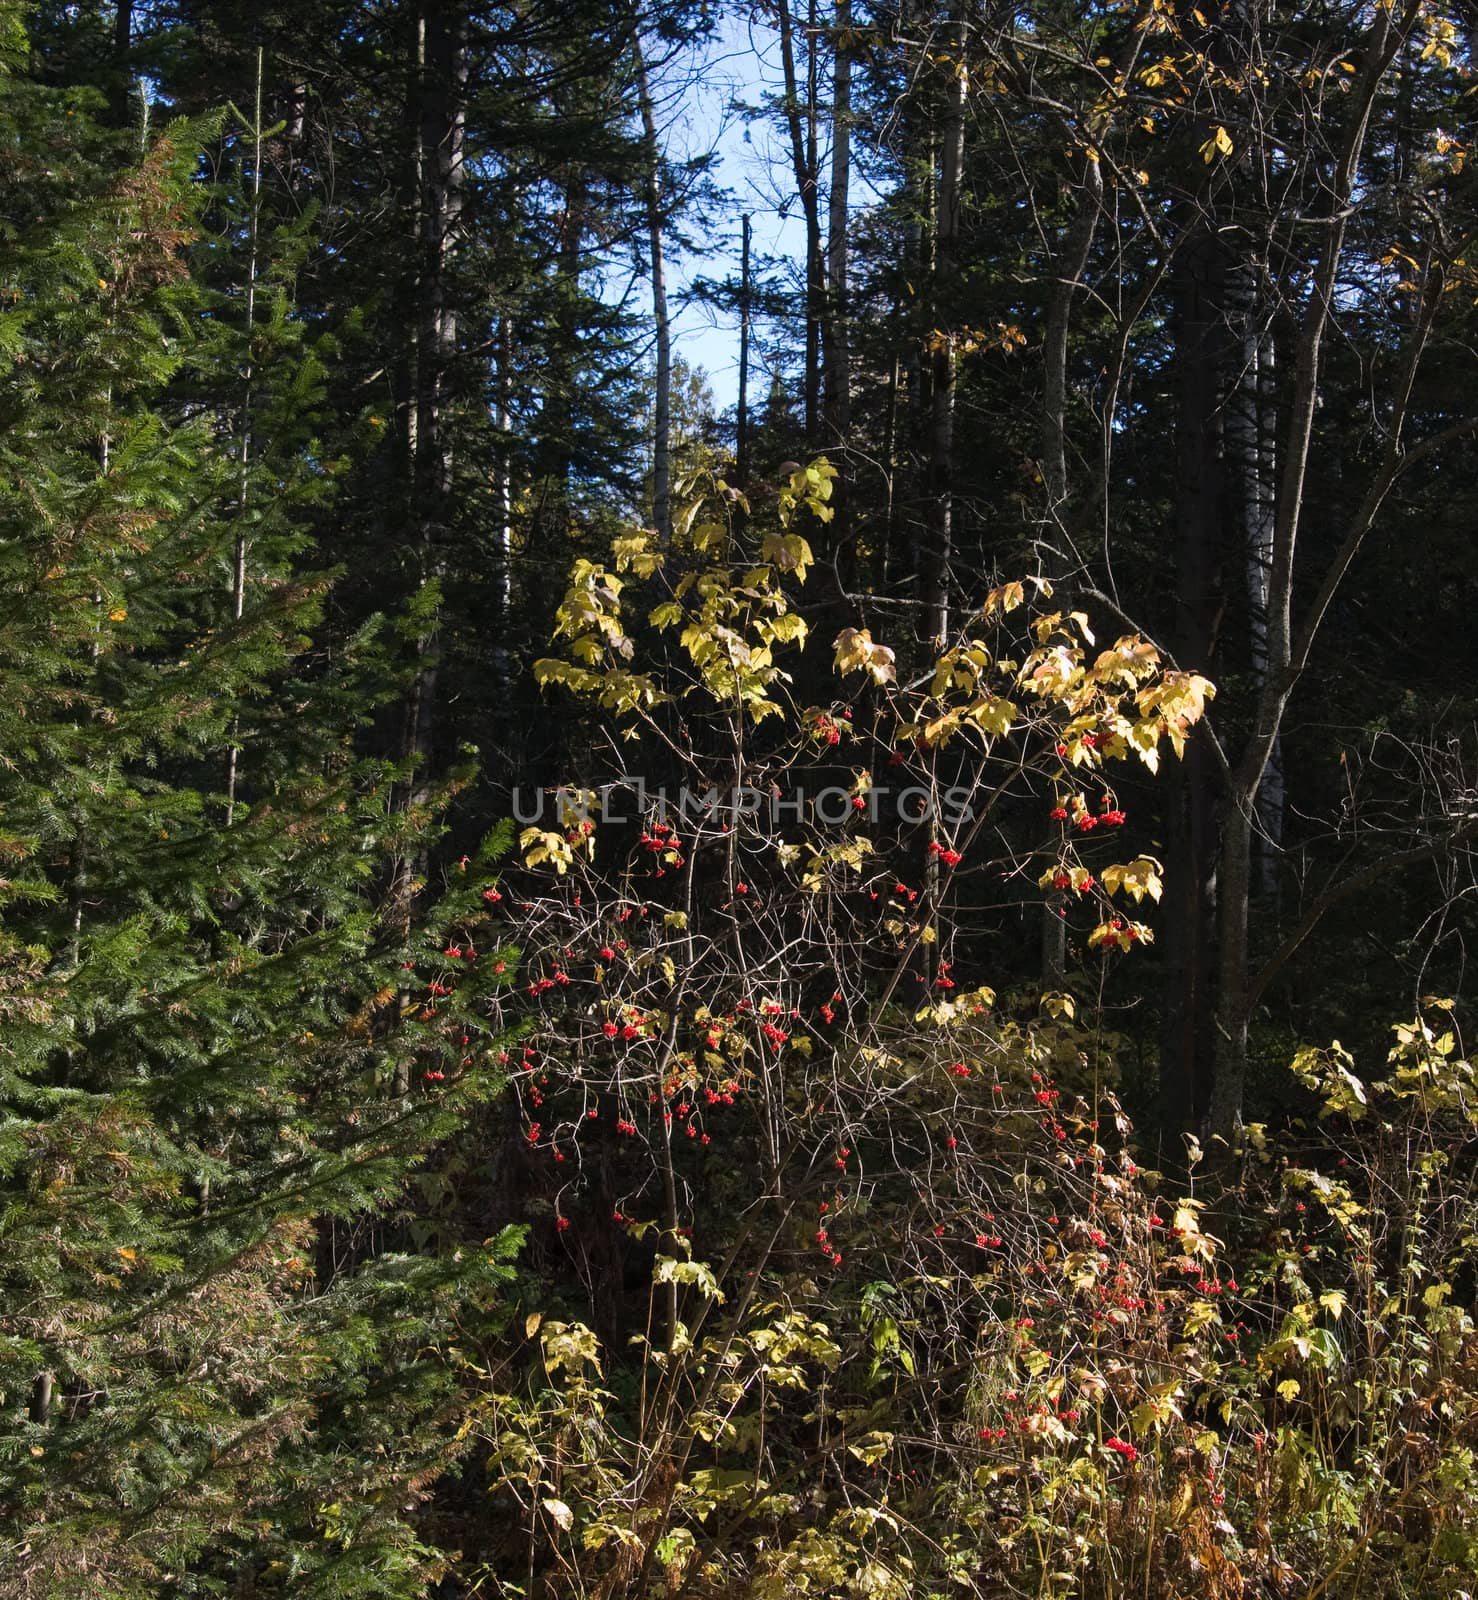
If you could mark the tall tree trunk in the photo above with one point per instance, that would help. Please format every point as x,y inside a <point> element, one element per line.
<point>662,407</point>
<point>436,116</point>
<point>836,353</point>
<point>741,423</point>
<point>837,350</point>
<point>1187,1043</point>
<point>238,575</point>
<point>443,92</point>
<point>438,123</point>
<point>122,81</point>
<point>890,567</point>
<point>1251,450</point>
<point>503,504</point>
<point>1077,246</point>
<point>1288,647</point>
<point>910,496</point>
<point>557,417</point>
<point>938,551</point>
<point>800,121</point>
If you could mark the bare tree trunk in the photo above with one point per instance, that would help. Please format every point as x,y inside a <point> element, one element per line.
<point>891,567</point>
<point>559,412</point>
<point>503,502</point>
<point>409,385</point>
<point>1251,451</point>
<point>836,354</point>
<point>800,121</point>
<point>123,81</point>
<point>938,551</point>
<point>816,244</point>
<point>1272,797</point>
<point>837,351</point>
<point>39,1409</point>
<point>238,576</point>
<point>662,407</point>
<point>407,391</point>
<point>741,425</point>
<point>1077,247</point>
<point>437,120</point>
<point>443,83</point>
<point>1187,1042</point>
<point>910,431</point>
<point>436,115</point>
<point>1287,649</point>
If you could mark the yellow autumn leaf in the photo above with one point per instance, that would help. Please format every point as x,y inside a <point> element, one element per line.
<point>1201,1314</point>
<point>1219,144</point>
<point>857,652</point>
<point>1137,878</point>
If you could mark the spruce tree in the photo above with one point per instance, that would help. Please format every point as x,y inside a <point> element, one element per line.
<point>228,1363</point>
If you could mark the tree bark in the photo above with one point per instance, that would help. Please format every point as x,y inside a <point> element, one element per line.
<point>836,353</point>
<point>238,575</point>
<point>437,119</point>
<point>938,550</point>
<point>1187,1042</point>
<point>662,404</point>
<point>442,136</point>
<point>123,82</point>
<point>1077,247</point>
<point>800,121</point>
<point>1287,650</point>
<point>503,504</point>
<point>837,348</point>
<point>1251,461</point>
<point>741,423</point>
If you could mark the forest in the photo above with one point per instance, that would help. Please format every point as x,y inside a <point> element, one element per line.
<point>622,982</point>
